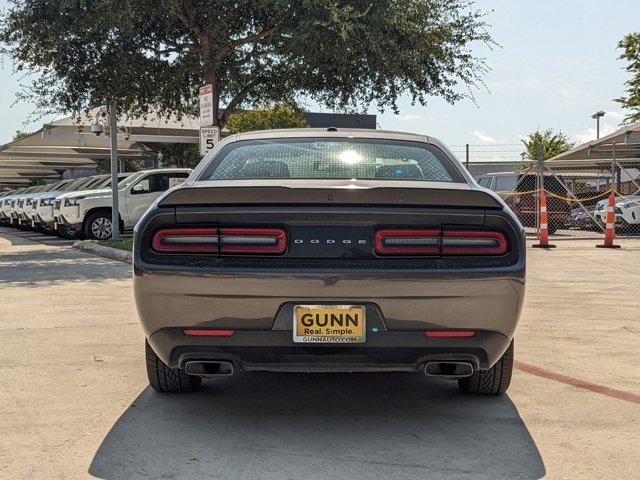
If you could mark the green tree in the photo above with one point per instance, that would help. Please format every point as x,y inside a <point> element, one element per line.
<point>548,141</point>
<point>146,54</point>
<point>20,134</point>
<point>278,116</point>
<point>631,46</point>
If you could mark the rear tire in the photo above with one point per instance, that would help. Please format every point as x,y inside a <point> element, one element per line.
<point>165,379</point>
<point>494,381</point>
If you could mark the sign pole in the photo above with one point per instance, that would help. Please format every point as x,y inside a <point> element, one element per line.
<point>113,131</point>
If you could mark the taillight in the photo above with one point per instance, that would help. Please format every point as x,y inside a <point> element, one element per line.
<point>252,240</point>
<point>407,242</point>
<point>473,242</point>
<point>436,242</point>
<point>186,240</point>
<point>223,240</point>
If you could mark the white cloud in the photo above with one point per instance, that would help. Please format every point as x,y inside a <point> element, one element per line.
<point>409,117</point>
<point>484,138</point>
<point>589,134</point>
<point>615,115</point>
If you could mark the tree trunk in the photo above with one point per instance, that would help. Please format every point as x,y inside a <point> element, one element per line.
<point>212,78</point>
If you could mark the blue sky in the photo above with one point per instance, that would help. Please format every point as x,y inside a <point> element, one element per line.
<point>557,64</point>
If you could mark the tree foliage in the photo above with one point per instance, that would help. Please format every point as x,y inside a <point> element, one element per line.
<point>149,54</point>
<point>548,141</point>
<point>20,134</point>
<point>278,116</point>
<point>631,46</point>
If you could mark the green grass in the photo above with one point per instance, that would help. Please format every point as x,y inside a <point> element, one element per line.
<point>122,244</point>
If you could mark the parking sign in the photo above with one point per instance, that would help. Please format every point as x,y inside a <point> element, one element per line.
<point>206,106</point>
<point>209,137</point>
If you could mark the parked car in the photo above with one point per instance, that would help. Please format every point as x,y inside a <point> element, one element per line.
<point>627,211</point>
<point>583,217</point>
<point>313,250</point>
<point>511,187</point>
<point>88,212</point>
<point>15,205</point>
<point>5,206</point>
<point>28,203</point>
<point>43,212</point>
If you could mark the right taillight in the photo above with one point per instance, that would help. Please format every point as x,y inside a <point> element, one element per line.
<point>440,242</point>
<point>473,242</point>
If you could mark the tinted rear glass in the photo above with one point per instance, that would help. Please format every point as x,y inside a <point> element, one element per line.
<point>331,158</point>
<point>505,183</point>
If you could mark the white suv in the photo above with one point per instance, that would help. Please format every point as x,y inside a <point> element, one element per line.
<point>88,213</point>
<point>627,210</point>
<point>43,211</point>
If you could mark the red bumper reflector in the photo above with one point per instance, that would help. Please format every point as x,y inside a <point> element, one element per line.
<point>207,332</point>
<point>449,333</point>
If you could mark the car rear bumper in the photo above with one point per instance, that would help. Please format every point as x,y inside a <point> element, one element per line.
<point>406,351</point>
<point>400,307</point>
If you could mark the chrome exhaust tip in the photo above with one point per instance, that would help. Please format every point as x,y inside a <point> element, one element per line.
<point>448,369</point>
<point>209,369</point>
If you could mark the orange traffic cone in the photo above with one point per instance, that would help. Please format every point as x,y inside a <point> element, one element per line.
<point>544,226</point>
<point>609,231</point>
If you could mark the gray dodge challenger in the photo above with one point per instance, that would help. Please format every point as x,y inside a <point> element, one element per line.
<point>329,250</point>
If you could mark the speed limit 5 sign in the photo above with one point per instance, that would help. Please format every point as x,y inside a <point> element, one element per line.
<point>209,137</point>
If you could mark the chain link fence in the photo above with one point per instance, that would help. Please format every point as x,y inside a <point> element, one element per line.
<point>577,197</point>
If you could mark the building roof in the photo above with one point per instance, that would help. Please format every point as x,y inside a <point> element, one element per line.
<point>624,143</point>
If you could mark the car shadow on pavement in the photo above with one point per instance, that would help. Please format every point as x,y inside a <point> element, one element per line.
<point>37,266</point>
<point>319,426</point>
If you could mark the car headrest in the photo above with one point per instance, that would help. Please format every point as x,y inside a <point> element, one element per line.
<point>266,169</point>
<point>400,172</point>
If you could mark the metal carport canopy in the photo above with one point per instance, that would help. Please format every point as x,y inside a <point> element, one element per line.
<point>624,143</point>
<point>68,143</point>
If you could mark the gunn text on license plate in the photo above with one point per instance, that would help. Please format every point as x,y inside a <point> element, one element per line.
<point>329,324</point>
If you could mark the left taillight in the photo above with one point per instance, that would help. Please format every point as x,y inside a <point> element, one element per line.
<point>270,241</point>
<point>252,240</point>
<point>186,240</point>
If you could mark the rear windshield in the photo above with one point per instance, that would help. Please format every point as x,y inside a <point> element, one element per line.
<point>551,184</point>
<point>331,158</point>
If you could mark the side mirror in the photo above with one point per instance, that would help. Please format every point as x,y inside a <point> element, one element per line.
<point>137,188</point>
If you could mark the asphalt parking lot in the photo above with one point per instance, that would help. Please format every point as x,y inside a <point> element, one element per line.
<point>75,401</point>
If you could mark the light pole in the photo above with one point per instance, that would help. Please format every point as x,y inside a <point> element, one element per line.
<point>597,116</point>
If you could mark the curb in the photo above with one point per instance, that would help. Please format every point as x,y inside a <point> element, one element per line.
<point>102,251</point>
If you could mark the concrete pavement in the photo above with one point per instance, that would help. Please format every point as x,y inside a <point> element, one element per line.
<point>75,402</point>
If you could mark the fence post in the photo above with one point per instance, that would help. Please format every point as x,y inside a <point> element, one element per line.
<point>466,161</point>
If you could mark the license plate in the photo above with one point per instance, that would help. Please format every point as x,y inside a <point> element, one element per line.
<point>329,324</point>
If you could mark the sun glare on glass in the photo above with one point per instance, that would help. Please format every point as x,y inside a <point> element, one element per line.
<point>350,157</point>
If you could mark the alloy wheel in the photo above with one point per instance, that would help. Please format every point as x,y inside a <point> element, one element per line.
<point>101,228</point>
